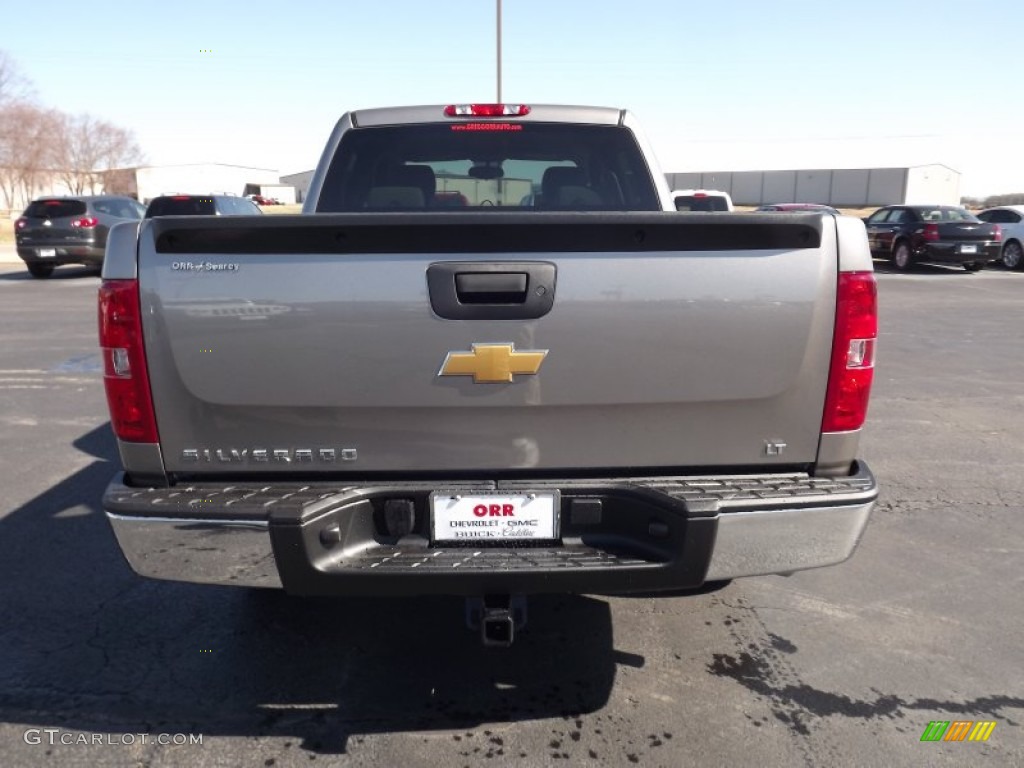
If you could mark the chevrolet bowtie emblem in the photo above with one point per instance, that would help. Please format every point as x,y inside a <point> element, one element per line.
<point>489,363</point>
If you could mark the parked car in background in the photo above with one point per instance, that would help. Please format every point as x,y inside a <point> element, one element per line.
<point>798,208</point>
<point>1010,219</point>
<point>701,200</point>
<point>939,234</point>
<point>69,230</point>
<point>201,205</point>
<point>261,200</point>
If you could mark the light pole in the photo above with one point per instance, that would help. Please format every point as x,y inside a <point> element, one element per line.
<point>499,51</point>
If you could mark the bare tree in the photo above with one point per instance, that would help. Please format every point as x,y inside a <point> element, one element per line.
<point>86,147</point>
<point>26,149</point>
<point>74,151</point>
<point>39,145</point>
<point>116,148</point>
<point>13,86</point>
<point>37,128</point>
<point>15,106</point>
<point>8,139</point>
<point>120,181</point>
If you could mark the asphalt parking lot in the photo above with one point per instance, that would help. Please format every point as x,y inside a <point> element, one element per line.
<point>841,666</point>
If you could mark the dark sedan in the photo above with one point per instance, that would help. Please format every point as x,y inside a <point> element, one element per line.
<point>938,234</point>
<point>69,230</point>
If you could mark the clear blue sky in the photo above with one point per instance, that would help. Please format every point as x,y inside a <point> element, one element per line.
<point>718,85</point>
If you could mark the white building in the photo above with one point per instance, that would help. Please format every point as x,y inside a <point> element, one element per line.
<point>200,178</point>
<point>301,183</point>
<point>847,188</point>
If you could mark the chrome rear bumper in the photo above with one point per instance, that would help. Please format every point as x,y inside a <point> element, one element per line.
<point>234,552</point>
<point>785,540</point>
<point>711,540</point>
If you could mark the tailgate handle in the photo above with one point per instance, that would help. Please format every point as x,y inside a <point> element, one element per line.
<point>490,287</point>
<point>491,290</point>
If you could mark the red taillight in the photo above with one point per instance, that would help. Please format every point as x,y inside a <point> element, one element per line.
<point>21,223</point>
<point>179,197</point>
<point>486,110</point>
<point>853,353</point>
<point>998,234</point>
<point>124,362</point>
<point>700,194</point>
<point>85,222</point>
<point>930,232</point>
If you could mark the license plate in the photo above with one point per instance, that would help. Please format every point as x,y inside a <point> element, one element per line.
<point>47,253</point>
<point>494,517</point>
<point>968,249</point>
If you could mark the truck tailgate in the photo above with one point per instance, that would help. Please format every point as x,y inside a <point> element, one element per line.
<point>671,341</point>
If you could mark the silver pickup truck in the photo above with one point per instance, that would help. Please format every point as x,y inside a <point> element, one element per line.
<point>488,360</point>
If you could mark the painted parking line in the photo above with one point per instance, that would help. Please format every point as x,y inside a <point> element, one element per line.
<point>62,374</point>
<point>88,363</point>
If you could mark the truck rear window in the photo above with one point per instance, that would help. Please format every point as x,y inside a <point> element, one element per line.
<point>181,206</point>
<point>54,209</point>
<point>523,166</point>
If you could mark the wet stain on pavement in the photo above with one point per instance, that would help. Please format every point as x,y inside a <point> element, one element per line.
<point>754,673</point>
<point>781,644</point>
<point>763,663</point>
